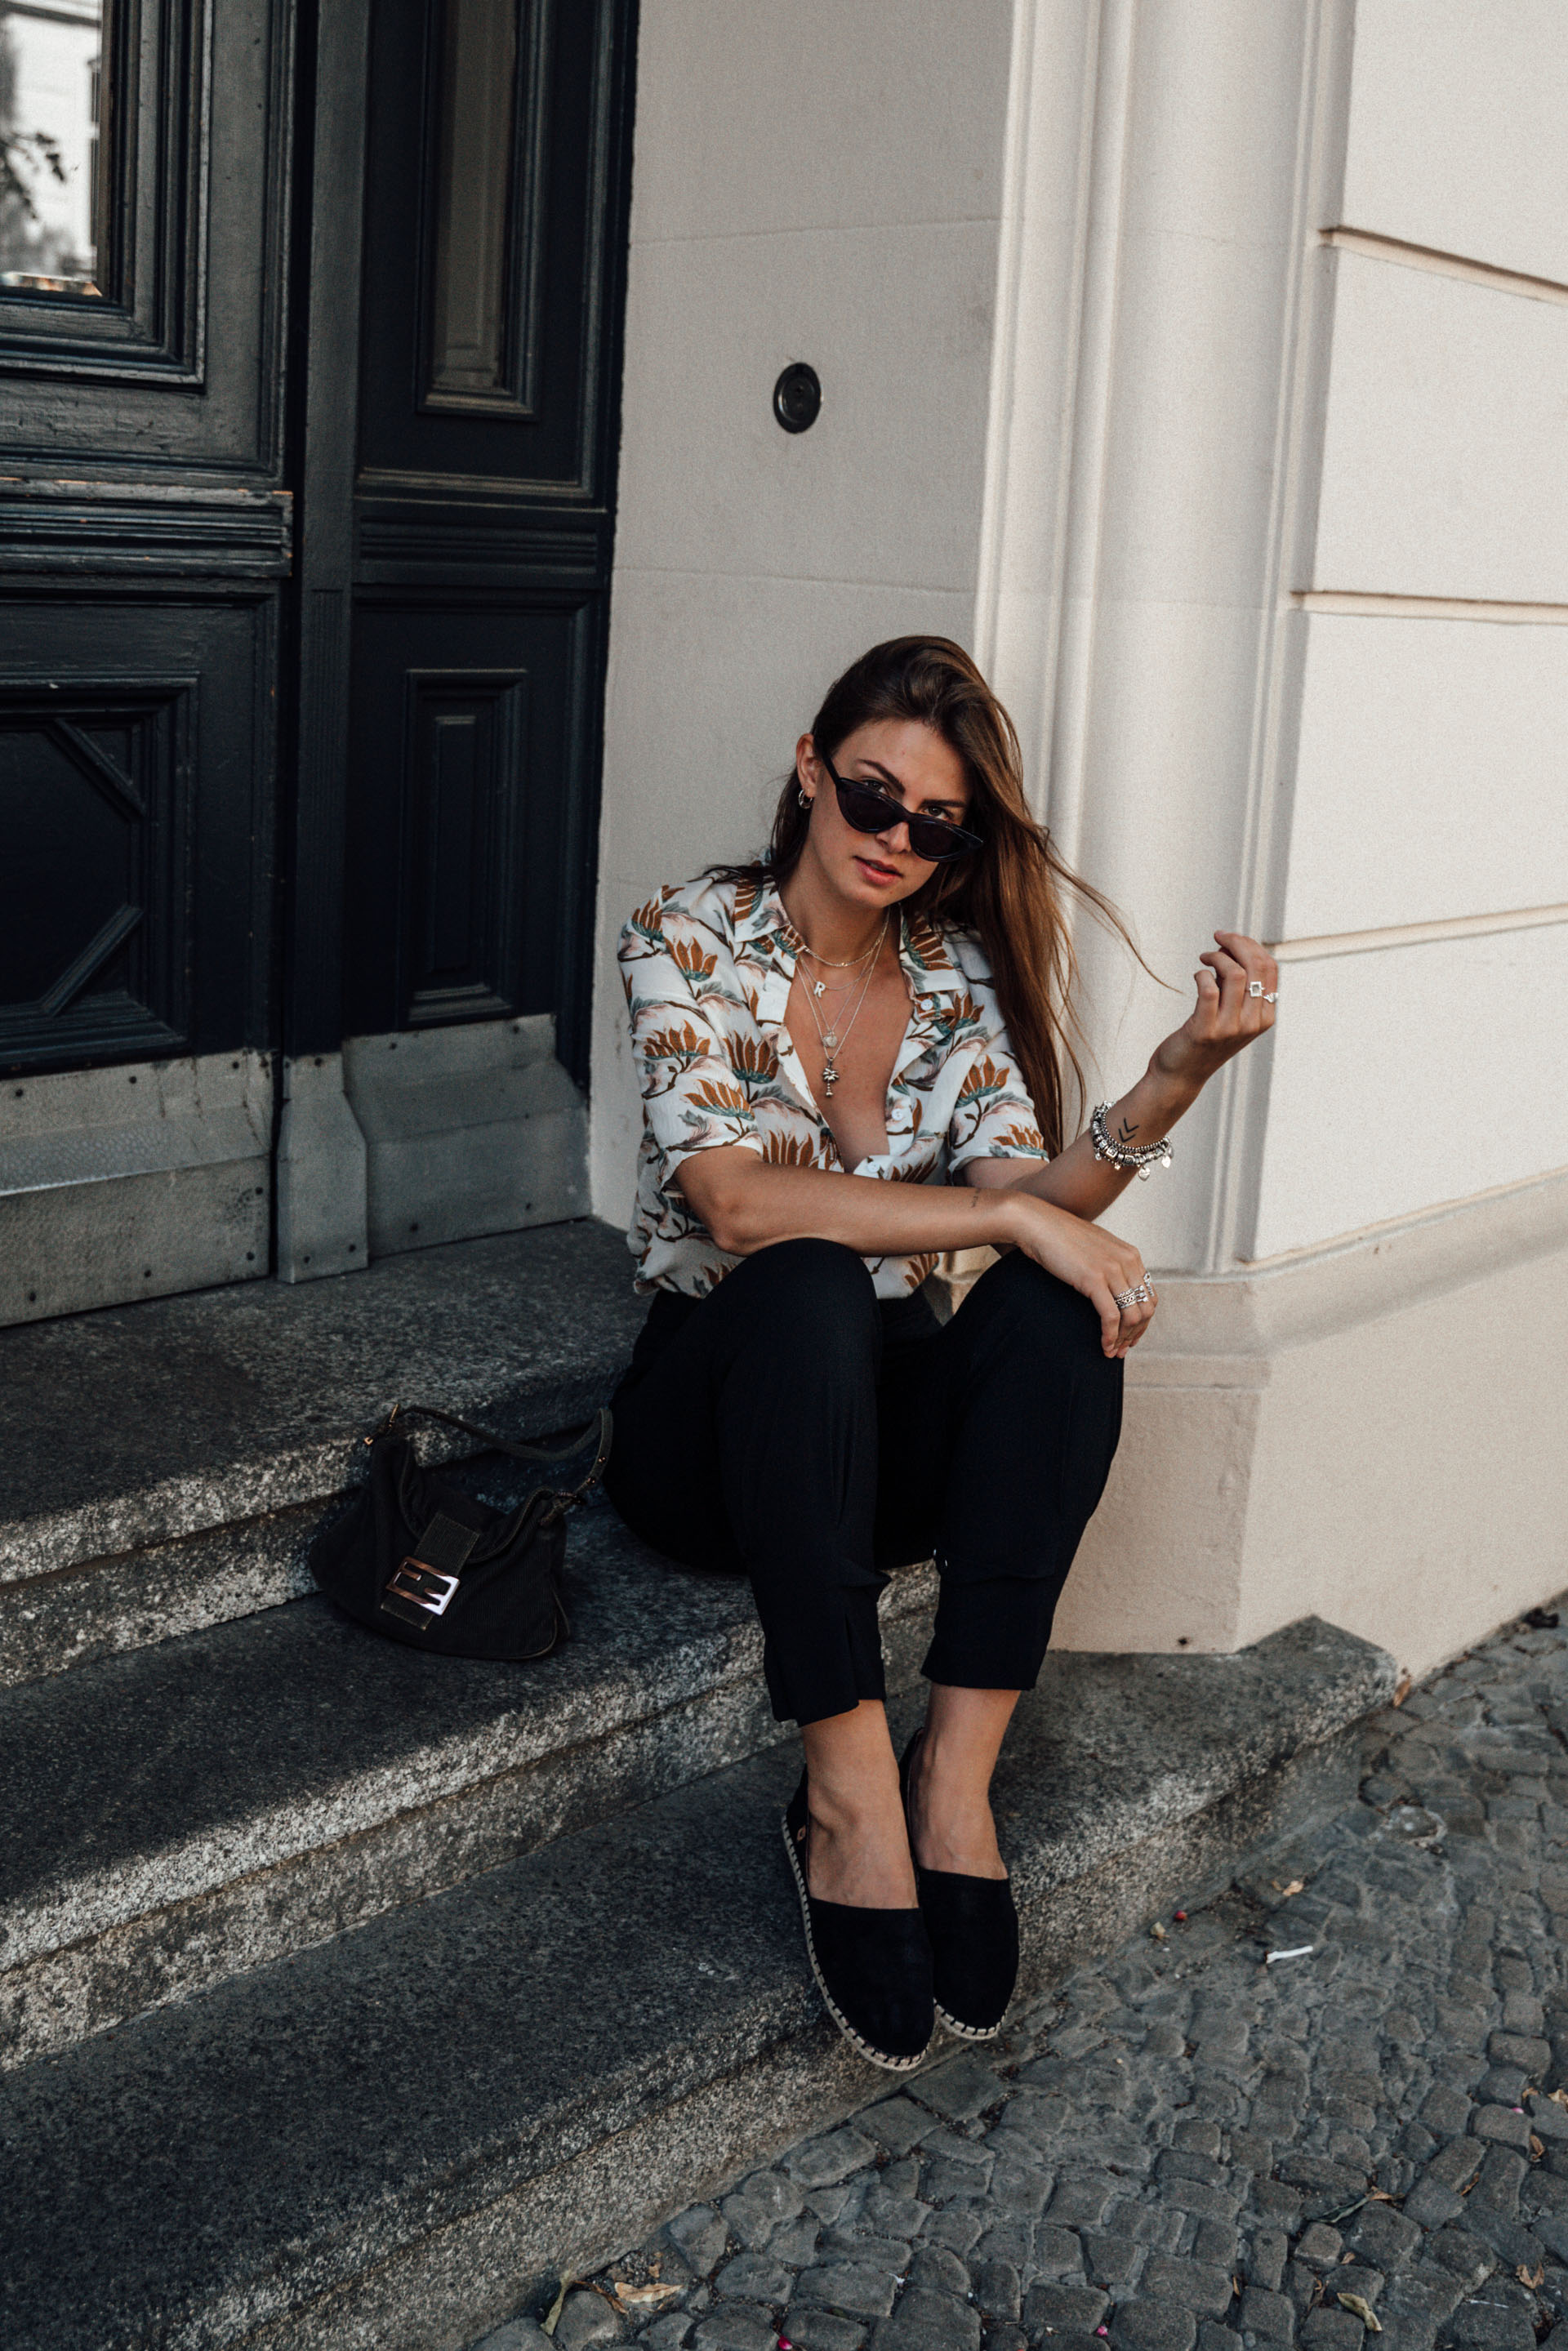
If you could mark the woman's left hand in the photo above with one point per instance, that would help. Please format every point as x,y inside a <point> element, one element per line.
<point>1237,982</point>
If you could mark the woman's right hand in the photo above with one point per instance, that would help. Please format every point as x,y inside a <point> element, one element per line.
<point>1089,1259</point>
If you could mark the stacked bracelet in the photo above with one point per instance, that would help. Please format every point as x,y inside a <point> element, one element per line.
<point>1140,1156</point>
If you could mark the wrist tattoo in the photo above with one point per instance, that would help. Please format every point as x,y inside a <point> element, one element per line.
<point>1126,1129</point>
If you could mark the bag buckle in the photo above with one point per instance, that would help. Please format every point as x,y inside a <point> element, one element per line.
<point>416,1585</point>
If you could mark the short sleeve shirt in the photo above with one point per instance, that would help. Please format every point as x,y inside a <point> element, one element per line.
<point>707,966</point>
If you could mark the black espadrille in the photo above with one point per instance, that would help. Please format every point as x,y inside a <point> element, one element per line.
<point>873,1966</point>
<point>974,1929</point>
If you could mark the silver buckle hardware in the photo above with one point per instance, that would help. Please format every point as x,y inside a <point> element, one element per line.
<point>424,1587</point>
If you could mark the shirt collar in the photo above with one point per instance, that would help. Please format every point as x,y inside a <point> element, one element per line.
<point>763,930</point>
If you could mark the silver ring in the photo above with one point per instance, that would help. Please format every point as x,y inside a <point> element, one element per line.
<point>1254,987</point>
<point>1141,1296</point>
<point>1274,998</point>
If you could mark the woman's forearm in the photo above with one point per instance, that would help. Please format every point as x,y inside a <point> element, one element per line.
<point>748,1206</point>
<point>1075,1179</point>
<point>1237,988</point>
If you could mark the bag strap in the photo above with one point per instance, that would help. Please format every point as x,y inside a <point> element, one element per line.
<point>601,1426</point>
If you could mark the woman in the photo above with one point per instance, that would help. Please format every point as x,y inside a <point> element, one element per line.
<point>853,1056</point>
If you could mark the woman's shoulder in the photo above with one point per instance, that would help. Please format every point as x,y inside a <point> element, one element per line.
<point>965,950</point>
<point>707,902</point>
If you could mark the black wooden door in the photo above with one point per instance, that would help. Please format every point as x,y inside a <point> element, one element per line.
<point>144,160</point>
<point>495,191</point>
<point>145,535</point>
<point>262,787</point>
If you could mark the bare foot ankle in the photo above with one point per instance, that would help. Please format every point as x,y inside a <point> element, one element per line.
<point>951,1827</point>
<point>857,1852</point>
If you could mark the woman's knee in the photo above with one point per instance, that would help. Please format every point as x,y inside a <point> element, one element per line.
<point>1032,1309</point>
<point>817,1289</point>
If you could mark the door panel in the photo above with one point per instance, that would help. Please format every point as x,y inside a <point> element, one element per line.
<point>144,526</point>
<point>496,187</point>
<point>132,773</point>
<point>488,210</point>
<point>175,361</point>
<point>98,779</point>
<point>496,237</point>
<point>462,737</point>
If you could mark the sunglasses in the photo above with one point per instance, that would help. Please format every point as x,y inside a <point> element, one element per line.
<point>933,839</point>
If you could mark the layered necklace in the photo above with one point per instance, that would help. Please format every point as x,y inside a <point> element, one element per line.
<point>834,1031</point>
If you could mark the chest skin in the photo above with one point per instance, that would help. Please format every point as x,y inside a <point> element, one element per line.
<point>857,1113</point>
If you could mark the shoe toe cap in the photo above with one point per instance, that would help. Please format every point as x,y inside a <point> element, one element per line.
<point>875,1966</point>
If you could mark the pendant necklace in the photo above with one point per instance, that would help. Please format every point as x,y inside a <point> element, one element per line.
<point>848,963</point>
<point>832,1037</point>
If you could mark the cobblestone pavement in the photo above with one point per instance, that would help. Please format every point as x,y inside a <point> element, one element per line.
<point>1187,2144</point>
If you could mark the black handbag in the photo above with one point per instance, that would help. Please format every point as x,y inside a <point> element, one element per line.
<point>415,1558</point>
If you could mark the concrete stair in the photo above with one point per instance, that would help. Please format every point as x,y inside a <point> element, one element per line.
<point>163,1464</point>
<point>344,1989</point>
<point>235,1795</point>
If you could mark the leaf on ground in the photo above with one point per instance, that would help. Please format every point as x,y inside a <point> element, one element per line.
<point>552,2317</point>
<point>1359,2307</point>
<point>1296,1886</point>
<point>634,2299</point>
<point>1531,2278</point>
<point>1403,1690</point>
<point>1558,2098</point>
<point>1157,1932</point>
<point>1537,2148</point>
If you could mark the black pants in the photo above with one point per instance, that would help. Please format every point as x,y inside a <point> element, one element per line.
<point>792,1426</point>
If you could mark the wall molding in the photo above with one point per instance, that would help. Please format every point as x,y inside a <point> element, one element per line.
<point>1213,1328</point>
<point>1415,934</point>
<point>1443,264</point>
<point>1302,357</point>
<point>1368,604</point>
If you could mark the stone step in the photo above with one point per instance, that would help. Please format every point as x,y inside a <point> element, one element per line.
<point>371,2145</point>
<point>164,1463</point>
<point>186,1812</point>
<point>73,1616</point>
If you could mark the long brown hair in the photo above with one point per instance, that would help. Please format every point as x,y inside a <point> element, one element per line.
<point>1009,893</point>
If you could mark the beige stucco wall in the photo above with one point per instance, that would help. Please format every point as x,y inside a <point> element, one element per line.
<point>1185,360</point>
<point>820,184</point>
<point>1373,1433</point>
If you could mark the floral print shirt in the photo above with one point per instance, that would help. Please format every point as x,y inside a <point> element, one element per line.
<point>707,966</point>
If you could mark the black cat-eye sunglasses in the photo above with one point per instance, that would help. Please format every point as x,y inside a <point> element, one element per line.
<point>933,839</point>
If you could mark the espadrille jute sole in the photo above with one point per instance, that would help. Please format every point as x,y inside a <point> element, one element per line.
<point>966,2032</point>
<point>948,2023</point>
<point>857,2041</point>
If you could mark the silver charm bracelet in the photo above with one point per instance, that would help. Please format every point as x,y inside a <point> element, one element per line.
<point>1140,1156</point>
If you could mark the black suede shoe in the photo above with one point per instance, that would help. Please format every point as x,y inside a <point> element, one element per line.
<point>974,1930</point>
<point>873,1966</point>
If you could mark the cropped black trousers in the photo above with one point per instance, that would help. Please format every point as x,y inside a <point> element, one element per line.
<point>793,1426</point>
